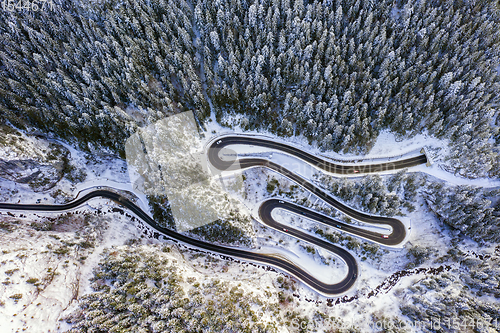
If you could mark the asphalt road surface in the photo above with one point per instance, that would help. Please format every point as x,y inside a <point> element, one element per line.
<point>265,210</point>
<point>343,169</point>
<point>325,288</point>
<point>398,232</point>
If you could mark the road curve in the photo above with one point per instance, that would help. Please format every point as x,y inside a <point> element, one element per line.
<point>343,168</point>
<point>265,214</point>
<point>265,210</point>
<point>397,235</point>
<point>325,288</point>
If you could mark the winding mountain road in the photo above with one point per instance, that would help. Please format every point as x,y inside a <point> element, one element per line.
<point>325,288</point>
<point>398,233</point>
<point>336,168</point>
<point>265,211</point>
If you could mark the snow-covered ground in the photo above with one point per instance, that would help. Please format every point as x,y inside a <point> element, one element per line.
<point>290,219</point>
<point>426,230</point>
<point>92,184</point>
<point>386,148</point>
<point>387,143</point>
<point>26,252</point>
<point>49,269</point>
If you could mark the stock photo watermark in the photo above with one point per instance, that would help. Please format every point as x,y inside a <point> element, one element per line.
<point>434,324</point>
<point>27,5</point>
<point>167,158</point>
